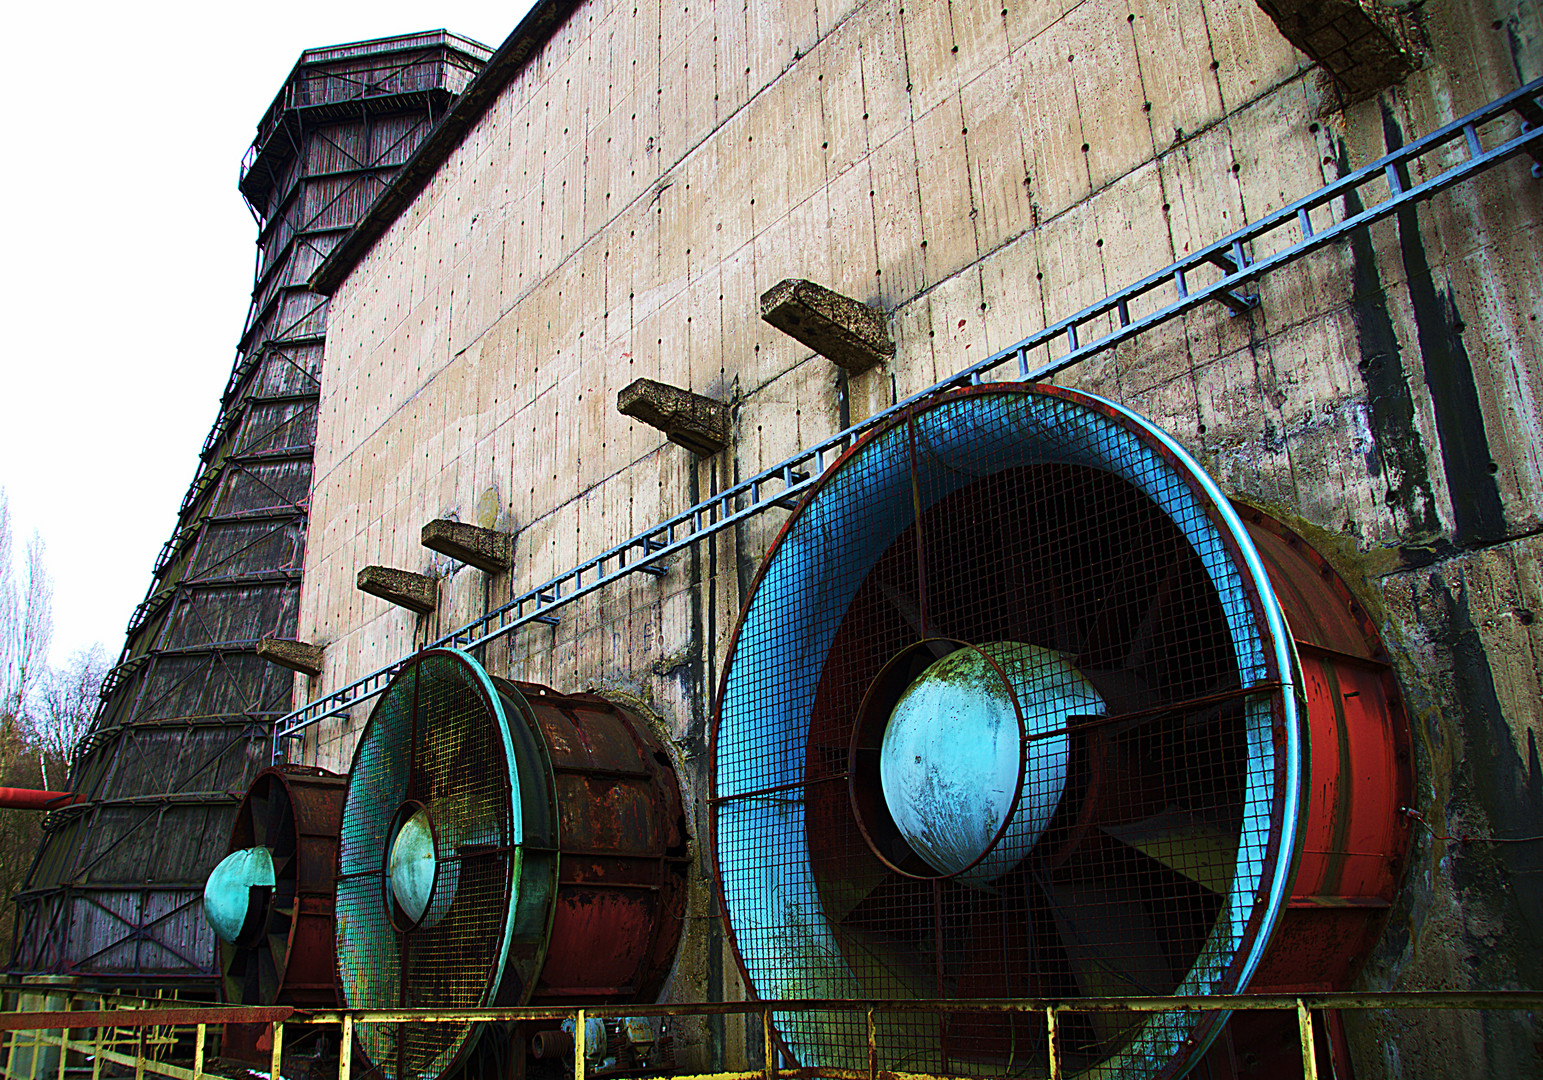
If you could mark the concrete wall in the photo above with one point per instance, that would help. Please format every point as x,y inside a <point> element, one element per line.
<point>976,171</point>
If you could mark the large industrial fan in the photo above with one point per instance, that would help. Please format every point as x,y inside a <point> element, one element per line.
<point>1018,707</point>
<point>501,845</point>
<point>270,899</point>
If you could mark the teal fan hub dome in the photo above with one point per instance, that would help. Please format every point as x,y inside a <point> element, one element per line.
<point>973,758</point>
<point>236,893</point>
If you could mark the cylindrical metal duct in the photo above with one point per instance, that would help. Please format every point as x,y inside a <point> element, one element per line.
<point>502,844</point>
<point>15,798</point>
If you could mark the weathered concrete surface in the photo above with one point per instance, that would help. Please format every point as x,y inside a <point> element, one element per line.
<point>486,549</point>
<point>415,592</point>
<point>618,214</point>
<point>698,423</point>
<point>848,334</point>
<point>1365,46</point>
<point>299,656</point>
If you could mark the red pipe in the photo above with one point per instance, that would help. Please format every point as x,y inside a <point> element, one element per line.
<point>17,798</point>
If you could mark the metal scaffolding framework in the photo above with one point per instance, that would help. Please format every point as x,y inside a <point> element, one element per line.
<point>112,895</point>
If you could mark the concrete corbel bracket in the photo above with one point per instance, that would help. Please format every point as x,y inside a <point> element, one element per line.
<point>1365,46</point>
<point>486,549</point>
<point>299,656</point>
<point>415,592</point>
<point>698,423</point>
<point>849,334</point>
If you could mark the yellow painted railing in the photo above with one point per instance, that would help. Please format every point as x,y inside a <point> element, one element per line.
<point>112,1035</point>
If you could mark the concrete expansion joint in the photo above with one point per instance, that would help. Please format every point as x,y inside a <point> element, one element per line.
<point>415,592</point>
<point>700,424</point>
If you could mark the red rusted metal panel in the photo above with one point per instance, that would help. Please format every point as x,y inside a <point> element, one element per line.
<point>621,893</point>
<point>1355,838</point>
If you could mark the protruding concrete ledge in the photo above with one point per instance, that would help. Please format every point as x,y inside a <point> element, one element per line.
<point>845,332</point>
<point>486,549</point>
<point>415,592</point>
<point>299,656</point>
<point>698,423</point>
<point>1365,48</point>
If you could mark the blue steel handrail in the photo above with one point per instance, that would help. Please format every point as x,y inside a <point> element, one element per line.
<point>797,474</point>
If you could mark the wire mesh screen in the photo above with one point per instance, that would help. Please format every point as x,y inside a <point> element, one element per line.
<point>434,744</point>
<point>1048,554</point>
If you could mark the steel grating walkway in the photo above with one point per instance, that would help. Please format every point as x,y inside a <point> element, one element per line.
<point>1218,273</point>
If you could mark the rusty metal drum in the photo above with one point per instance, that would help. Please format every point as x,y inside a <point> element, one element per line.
<point>501,845</point>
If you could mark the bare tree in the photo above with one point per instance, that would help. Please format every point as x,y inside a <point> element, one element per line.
<point>63,706</point>
<point>26,619</point>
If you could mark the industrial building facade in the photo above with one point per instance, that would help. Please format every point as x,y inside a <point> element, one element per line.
<point>612,199</point>
<point>973,172</point>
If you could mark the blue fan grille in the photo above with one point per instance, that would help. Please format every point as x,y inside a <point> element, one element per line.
<point>438,737</point>
<point>1066,522</point>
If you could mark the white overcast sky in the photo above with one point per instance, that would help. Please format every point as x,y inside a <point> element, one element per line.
<point>127,260</point>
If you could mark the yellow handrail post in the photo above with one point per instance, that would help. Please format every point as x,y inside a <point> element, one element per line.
<point>345,1048</point>
<point>873,1047</point>
<point>276,1060</point>
<point>1309,1051</point>
<point>580,1044</point>
<point>198,1052</point>
<point>768,1046</point>
<point>1053,1042</point>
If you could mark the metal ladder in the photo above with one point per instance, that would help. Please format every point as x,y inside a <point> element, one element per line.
<point>1226,264</point>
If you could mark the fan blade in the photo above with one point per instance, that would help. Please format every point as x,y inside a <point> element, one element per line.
<point>1202,849</point>
<point>257,808</point>
<point>278,954</point>
<point>886,969</point>
<point>911,612</point>
<point>1111,944</point>
<point>842,893</point>
<point>1151,619</point>
<point>267,975</point>
<point>281,827</point>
